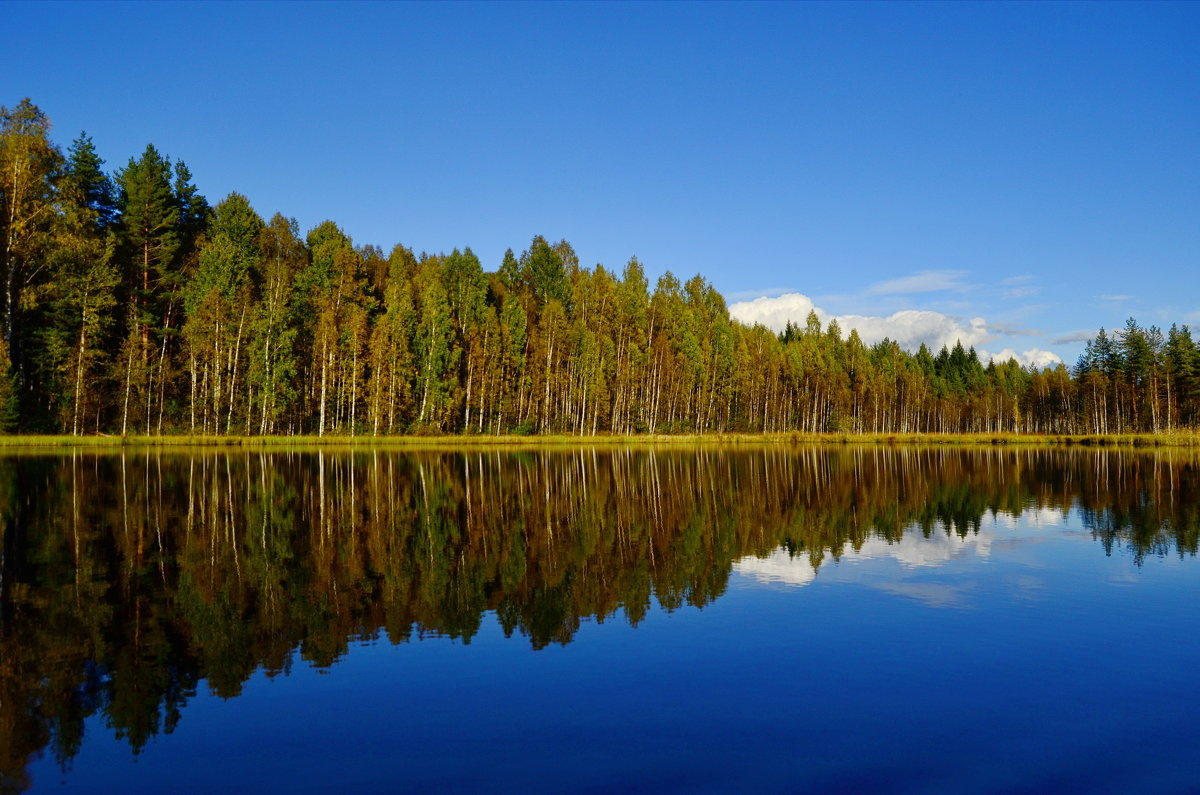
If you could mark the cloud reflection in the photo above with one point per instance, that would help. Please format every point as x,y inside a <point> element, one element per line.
<point>913,552</point>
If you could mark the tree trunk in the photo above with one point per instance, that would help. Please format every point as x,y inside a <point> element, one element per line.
<point>79,374</point>
<point>237,352</point>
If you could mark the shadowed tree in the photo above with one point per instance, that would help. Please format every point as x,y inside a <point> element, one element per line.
<point>274,327</point>
<point>219,301</point>
<point>82,290</point>
<point>29,166</point>
<point>435,347</point>
<point>149,238</point>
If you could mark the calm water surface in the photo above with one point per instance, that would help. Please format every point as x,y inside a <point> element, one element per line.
<point>805,619</point>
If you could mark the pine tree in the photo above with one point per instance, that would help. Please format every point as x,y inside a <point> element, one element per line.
<point>82,288</point>
<point>150,239</point>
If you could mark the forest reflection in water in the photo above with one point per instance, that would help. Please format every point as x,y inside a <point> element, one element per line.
<point>128,579</point>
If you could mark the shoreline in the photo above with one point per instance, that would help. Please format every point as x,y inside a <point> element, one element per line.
<point>1174,439</point>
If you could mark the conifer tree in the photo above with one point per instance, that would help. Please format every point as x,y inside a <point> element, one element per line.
<point>150,239</point>
<point>82,289</point>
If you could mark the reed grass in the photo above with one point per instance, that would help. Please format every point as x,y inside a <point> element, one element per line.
<point>1187,438</point>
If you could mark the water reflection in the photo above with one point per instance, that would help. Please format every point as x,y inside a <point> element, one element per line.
<point>126,580</point>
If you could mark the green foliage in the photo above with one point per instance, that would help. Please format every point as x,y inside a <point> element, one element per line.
<point>131,306</point>
<point>149,216</point>
<point>436,350</point>
<point>510,271</point>
<point>30,167</point>
<point>9,407</point>
<point>192,208</point>
<point>543,270</point>
<point>230,255</point>
<point>86,187</point>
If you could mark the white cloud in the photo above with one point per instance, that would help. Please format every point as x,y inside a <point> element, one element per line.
<point>779,568</point>
<point>1115,297</point>
<point>1018,287</point>
<point>1075,336</point>
<point>1009,330</point>
<point>915,554</point>
<point>911,327</point>
<point>1037,516</point>
<point>920,282</point>
<point>931,594</point>
<point>914,550</point>
<point>908,328</point>
<point>1035,356</point>
<point>774,313</point>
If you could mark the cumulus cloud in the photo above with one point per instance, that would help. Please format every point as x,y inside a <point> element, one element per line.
<point>1043,517</point>
<point>1035,356</point>
<point>909,328</point>
<point>920,282</point>
<point>916,554</point>
<point>911,551</point>
<point>779,568</point>
<point>774,313</point>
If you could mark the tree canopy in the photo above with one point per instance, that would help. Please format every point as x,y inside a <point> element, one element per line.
<point>132,306</point>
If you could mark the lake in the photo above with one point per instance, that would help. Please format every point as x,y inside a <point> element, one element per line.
<point>597,619</point>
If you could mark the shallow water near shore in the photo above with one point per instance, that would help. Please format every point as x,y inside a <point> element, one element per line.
<point>907,620</point>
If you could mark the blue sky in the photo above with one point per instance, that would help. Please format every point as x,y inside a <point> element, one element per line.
<point>1015,174</point>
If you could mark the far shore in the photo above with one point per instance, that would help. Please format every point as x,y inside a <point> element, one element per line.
<point>1185,438</point>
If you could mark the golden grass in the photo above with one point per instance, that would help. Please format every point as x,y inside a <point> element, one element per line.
<point>1188,438</point>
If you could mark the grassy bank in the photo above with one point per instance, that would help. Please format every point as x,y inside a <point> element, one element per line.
<point>1172,439</point>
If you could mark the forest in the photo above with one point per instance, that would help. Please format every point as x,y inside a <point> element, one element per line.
<point>132,306</point>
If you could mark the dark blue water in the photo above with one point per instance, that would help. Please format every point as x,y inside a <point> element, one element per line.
<point>1028,653</point>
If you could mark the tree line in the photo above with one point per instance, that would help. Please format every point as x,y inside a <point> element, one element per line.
<point>132,306</point>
